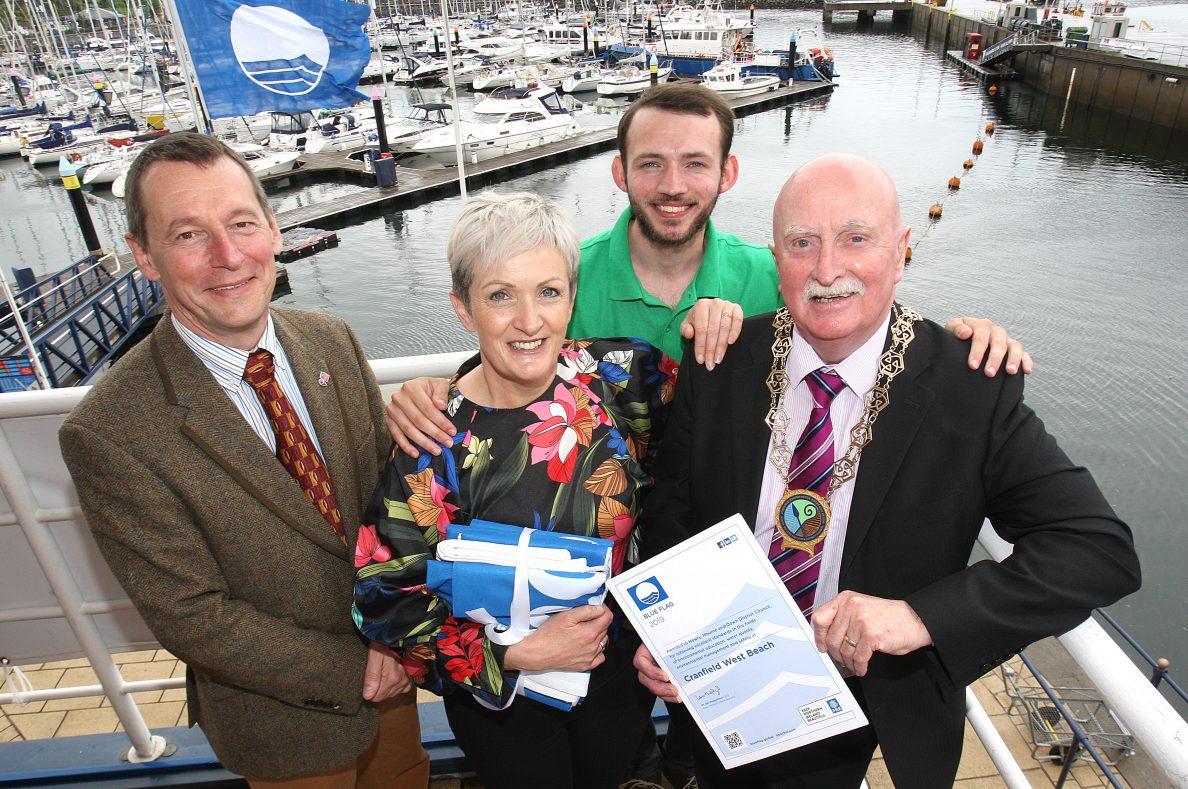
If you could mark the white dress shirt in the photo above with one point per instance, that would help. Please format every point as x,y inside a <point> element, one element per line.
<point>859,370</point>
<point>227,364</point>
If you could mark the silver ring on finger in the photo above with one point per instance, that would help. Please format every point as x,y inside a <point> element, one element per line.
<point>602,645</point>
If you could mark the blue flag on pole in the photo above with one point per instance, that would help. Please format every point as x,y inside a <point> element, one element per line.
<point>283,55</point>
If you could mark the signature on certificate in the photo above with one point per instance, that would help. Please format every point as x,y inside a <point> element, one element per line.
<point>712,690</point>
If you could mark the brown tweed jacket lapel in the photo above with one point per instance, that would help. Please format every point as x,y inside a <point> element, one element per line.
<point>230,442</point>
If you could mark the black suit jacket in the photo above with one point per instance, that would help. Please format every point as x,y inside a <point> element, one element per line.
<point>951,449</point>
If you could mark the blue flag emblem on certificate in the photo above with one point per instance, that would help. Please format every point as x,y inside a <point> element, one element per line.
<point>281,55</point>
<point>647,593</point>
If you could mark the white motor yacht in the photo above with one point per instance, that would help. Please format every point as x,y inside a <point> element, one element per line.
<point>631,79</point>
<point>584,77</point>
<point>345,131</point>
<point>510,119</point>
<point>539,73</point>
<point>264,161</point>
<point>729,80</point>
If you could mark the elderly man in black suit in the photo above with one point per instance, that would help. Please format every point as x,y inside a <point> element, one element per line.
<point>223,466</point>
<point>853,403</point>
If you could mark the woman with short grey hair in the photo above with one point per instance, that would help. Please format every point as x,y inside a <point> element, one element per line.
<point>550,433</point>
<point>495,227</point>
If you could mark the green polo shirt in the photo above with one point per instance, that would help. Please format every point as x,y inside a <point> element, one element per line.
<point>611,302</point>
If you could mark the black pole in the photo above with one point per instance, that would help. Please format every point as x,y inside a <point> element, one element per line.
<point>78,202</point>
<point>16,85</point>
<point>597,52</point>
<point>752,13</point>
<point>585,38</point>
<point>655,71</point>
<point>377,104</point>
<point>436,43</point>
<point>457,37</point>
<point>649,36</point>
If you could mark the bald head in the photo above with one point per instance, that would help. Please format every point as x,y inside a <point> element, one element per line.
<point>842,174</point>
<point>839,245</point>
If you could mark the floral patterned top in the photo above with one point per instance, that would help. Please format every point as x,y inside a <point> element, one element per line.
<point>575,461</point>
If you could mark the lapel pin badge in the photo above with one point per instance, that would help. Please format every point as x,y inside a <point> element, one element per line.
<point>323,378</point>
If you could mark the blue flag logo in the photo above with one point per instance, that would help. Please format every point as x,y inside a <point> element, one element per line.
<point>281,55</point>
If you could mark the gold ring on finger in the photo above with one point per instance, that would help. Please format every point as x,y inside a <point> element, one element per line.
<point>851,642</point>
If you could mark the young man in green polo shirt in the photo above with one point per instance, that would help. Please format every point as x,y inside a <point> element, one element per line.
<point>643,277</point>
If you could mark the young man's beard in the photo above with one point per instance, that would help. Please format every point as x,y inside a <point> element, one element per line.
<point>654,235</point>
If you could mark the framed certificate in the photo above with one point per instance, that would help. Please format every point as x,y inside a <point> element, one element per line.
<point>717,618</point>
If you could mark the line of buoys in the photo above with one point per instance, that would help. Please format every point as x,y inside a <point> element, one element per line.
<point>936,210</point>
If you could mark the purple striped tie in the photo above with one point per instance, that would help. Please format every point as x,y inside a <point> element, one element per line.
<point>811,469</point>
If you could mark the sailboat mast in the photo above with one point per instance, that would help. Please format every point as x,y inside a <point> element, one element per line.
<point>445,22</point>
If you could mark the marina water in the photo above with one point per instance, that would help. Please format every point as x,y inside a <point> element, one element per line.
<point>1070,230</point>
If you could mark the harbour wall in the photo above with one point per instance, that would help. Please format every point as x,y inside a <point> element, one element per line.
<point>1140,89</point>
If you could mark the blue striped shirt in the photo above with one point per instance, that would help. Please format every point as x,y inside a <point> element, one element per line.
<point>227,366</point>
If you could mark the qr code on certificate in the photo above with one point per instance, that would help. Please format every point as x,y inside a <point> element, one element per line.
<point>734,740</point>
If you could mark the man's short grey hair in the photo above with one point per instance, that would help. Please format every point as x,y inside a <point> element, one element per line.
<point>493,228</point>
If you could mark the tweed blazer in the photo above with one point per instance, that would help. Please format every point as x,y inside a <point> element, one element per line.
<point>229,563</point>
<point>951,449</point>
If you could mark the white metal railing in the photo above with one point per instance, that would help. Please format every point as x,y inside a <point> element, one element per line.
<point>51,571</point>
<point>1125,689</point>
<point>1154,51</point>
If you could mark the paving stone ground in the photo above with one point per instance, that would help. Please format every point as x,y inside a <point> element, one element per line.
<point>94,715</point>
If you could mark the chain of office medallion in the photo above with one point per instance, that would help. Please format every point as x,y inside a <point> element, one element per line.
<point>890,365</point>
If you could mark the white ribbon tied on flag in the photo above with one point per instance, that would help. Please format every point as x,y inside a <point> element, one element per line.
<point>556,576</point>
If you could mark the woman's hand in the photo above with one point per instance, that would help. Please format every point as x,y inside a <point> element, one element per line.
<point>571,640</point>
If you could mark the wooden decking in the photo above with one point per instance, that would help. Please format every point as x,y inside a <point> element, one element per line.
<point>418,186</point>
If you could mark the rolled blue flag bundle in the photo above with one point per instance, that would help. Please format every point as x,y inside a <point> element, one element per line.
<point>512,579</point>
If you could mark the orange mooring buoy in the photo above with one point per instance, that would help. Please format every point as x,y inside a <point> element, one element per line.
<point>977,147</point>
<point>993,89</point>
<point>935,210</point>
<point>907,258</point>
<point>954,183</point>
<point>990,127</point>
<point>968,163</point>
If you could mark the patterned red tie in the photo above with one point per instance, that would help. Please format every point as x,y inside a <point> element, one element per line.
<point>811,469</point>
<point>294,448</point>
